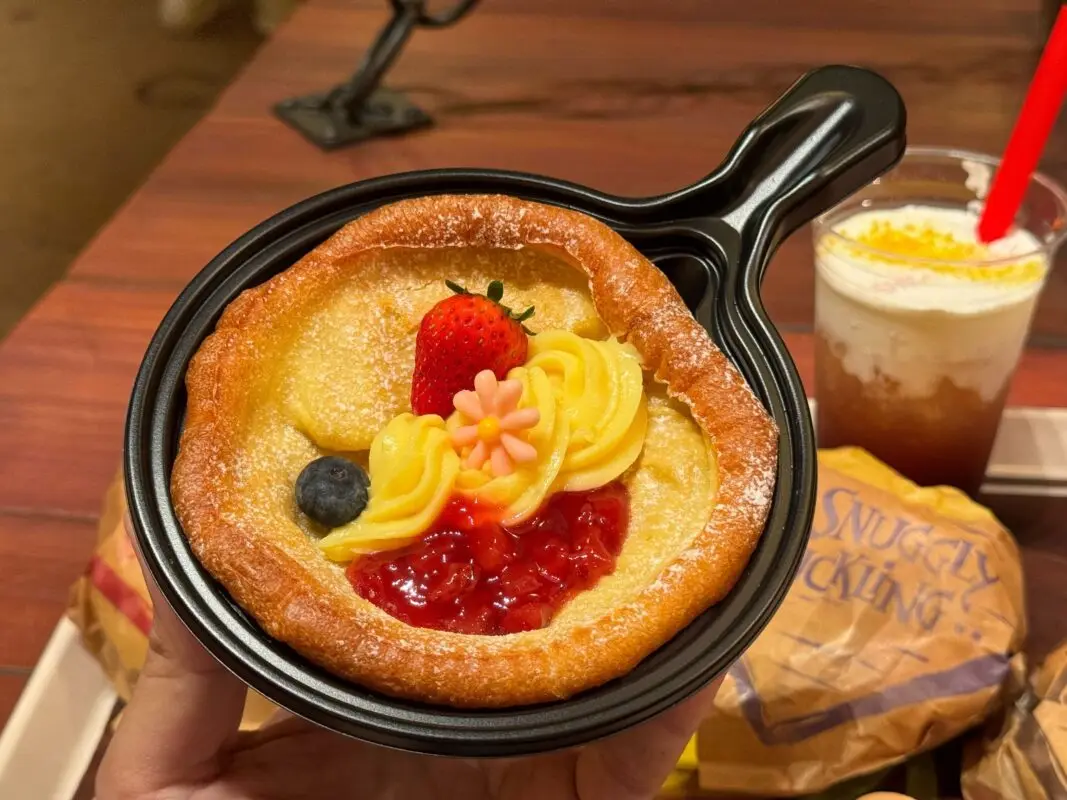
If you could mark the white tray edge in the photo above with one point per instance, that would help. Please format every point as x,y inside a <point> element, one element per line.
<point>57,723</point>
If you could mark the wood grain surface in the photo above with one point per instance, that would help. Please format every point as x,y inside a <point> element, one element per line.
<point>11,686</point>
<point>630,97</point>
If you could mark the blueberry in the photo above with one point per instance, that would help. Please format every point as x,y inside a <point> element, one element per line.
<point>332,490</point>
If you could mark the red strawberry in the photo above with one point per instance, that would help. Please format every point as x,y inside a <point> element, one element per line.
<point>457,339</point>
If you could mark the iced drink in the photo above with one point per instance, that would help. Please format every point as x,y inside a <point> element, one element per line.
<point>919,328</point>
<point>918,325</point>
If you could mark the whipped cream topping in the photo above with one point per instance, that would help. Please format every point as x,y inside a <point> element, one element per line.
<point>910,296</point>
<point>941,266</point>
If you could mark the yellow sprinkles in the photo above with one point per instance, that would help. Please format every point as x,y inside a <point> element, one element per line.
<point>922,246</point>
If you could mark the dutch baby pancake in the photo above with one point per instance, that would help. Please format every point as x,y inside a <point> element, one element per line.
<point>471,450</point>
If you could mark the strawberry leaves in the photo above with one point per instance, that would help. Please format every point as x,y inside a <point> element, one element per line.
<point>495,292</point>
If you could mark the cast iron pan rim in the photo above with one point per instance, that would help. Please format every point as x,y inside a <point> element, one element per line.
<point>398,723</point>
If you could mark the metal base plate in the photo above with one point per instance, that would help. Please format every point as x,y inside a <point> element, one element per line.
<point>386,113</point>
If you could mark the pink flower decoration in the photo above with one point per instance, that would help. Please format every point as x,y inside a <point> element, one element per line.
<point>496,423</point>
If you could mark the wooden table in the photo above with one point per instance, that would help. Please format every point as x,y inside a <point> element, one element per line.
<point>630,96</point>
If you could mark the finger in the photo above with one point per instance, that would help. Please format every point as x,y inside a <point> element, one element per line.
<point>184,709</point>
<point>295,758</point>
<point>629,766</point>
<point>634,764</point>
<point>166,627</point>
<point>277,717</point>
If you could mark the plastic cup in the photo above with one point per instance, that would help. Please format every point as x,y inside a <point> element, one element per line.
<point>918,332</point>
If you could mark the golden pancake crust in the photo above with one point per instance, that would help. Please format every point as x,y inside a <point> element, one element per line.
<point>319,358</point>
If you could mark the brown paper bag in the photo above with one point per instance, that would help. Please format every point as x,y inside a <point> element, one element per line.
<point>112,609</point>
<point>110,602</point>
<point>1028,760</point>
<point>898,634</point>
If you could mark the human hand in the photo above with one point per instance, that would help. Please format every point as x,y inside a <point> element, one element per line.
<point>179,740</point>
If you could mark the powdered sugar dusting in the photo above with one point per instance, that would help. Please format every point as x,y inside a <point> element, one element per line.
<point>759,490</point>
<point>350,370</point>
<point>333,383</point>
<point>672,490</point>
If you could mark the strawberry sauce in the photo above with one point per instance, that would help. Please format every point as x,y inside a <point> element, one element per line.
<point>470,574</point>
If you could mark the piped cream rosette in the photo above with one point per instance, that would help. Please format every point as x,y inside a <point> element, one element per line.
<point>413,468</point>
<point>591,423</point>
<point>600,389</point>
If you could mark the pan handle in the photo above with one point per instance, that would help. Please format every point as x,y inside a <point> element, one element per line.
<point>831,133</point>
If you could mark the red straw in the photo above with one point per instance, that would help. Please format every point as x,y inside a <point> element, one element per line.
<point>1032,129</point>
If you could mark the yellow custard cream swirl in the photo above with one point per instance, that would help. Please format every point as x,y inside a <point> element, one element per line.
<point>600,389</point>
<point>413,468</point>
<point>591,428</point>
<point>521,493</point>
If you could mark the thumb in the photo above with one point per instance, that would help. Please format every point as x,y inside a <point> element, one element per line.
<point>635,763</point>
<point>184,709</point>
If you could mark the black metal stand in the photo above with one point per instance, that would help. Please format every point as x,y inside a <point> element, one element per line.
<point>361,108</point>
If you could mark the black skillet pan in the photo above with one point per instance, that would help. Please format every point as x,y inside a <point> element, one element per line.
<point>834,131</point>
